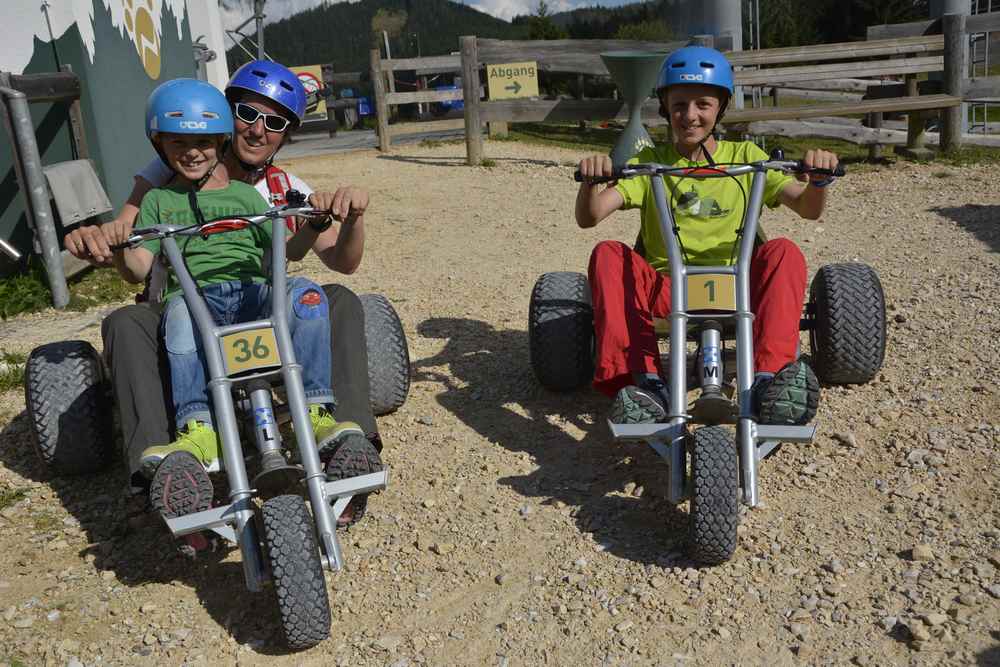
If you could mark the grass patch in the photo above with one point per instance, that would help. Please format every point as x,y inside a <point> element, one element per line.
<point>11,370</point>
<point>488,163</point>
<point>46,522</point>
<point>28,291</point>
<point>10,496</point>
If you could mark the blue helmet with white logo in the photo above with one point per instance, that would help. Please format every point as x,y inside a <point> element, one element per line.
<point>275,82</point>
<point>696,64</point>
<point>188,106</point>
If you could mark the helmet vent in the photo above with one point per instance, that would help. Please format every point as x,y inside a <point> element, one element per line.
<point>261,73</point>
<point>209,114</point>
<point>284,84</point>
<point>707,65</point>
<point>174,114</point>
<point>679,64</point>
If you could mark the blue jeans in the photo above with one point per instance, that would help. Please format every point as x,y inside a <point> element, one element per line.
<point>232,302</point>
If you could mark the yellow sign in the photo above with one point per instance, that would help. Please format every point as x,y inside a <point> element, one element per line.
<point>311,77</point>
<point>254,349</point>
<point>711,291</point>
<point>512,80</point>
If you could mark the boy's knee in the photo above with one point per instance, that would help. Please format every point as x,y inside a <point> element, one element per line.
<point>178,329</point>
<point>607,252</point>
<point>309,301</point>
<point>784,250</point>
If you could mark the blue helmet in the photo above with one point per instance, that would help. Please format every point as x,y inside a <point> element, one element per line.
<point>188,106</point>
<point>696,64</point>
<point>275,82</point>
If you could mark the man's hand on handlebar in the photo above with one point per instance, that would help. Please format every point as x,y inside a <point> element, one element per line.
<point>347,204</point>
<point>818,159</point>
<point>93,242</point>
<point>596,167</point>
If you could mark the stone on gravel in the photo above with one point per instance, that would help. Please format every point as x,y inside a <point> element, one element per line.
<point>922,552</point>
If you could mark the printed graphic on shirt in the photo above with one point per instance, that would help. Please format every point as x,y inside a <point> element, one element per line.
<point>692,204</point>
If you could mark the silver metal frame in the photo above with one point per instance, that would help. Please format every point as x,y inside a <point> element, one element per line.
<point>754,441</point>
<point>235,521</point>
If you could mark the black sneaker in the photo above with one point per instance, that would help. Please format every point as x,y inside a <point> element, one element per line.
<point>790,398</point>
<point>180,486</point>
<point>645,404</point>
<point>355,455</point>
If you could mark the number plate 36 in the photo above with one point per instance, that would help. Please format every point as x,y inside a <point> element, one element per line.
<point>711,291</point>
<point>254,349</point>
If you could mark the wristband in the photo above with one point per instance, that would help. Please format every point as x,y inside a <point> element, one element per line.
<point>822,183</point>
<point>324,224</point>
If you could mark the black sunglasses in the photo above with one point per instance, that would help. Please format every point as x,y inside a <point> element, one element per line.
<point>249,115</point>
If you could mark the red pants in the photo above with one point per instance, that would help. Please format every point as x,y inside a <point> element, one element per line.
<point>628,293</point>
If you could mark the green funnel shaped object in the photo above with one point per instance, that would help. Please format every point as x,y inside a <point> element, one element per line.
<point>635,72</point>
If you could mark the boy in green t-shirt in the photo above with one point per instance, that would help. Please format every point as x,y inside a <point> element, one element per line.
<point>630,287</point>
<point>189,123</point>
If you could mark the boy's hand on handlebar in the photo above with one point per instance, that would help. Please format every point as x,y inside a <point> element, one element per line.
<point>818,159</point>
<point>347,204</point>
<point>596,166</point>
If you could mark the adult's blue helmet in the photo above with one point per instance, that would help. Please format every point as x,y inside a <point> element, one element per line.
<point>696,64</point>
<point>188,106</point>
<point>275,82</point>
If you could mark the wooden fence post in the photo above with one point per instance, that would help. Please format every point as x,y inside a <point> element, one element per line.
<point>916,138</point>
<point>381,108</point>
<point>470,98</point>
<point>956,43</point>
<point>874,150</point>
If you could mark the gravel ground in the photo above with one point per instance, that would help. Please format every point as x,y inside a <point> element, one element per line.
<point>514,532</point>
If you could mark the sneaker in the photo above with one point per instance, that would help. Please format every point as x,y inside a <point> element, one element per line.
<point>789,398</point>
<point>180,486</point>
<point>196,438</point>
<point>645,404</point>
<point>353,456</point>
<point>328,431</point>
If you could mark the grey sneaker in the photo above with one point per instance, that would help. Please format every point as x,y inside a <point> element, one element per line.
<point>788,398</point>
<point>645,404</point>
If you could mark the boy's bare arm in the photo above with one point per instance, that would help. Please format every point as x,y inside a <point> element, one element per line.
<point>133,264</point>
<point>595,202</point>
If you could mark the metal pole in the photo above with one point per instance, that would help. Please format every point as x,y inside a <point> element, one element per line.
<point>36,192</point>
<point>258,14</point>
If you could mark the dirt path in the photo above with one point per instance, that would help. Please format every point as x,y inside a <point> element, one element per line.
<point>514,531</point>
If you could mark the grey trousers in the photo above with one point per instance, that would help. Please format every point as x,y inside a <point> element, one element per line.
<point>140,374</point>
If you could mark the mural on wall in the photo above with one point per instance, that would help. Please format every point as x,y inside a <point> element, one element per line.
<point>121,50</point>
<point>140,20</point>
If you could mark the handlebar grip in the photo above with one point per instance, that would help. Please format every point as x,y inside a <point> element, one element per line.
<point>120,246</point>
<point>616,174</point>
<point>837,172</point>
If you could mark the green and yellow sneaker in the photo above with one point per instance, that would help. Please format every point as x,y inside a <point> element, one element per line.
<point>196,438</point>
<point>328,431</point>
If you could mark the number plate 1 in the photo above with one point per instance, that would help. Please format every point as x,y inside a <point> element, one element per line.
<point>253,349</point>
<point>711,291</point>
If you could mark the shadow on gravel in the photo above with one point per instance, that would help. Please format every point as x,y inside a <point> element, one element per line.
<point>460,161</point>
<point>980,220</point>
<point>125,539</point>
<point>491,388</point>
<point>991,656</point>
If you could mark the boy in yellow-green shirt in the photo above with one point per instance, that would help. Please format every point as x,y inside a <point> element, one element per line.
<point>632,286</point>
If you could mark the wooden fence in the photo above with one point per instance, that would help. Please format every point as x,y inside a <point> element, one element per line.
<point>907,52</point>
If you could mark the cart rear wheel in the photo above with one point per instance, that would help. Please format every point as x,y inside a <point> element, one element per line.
<point>848,335</point>
<point>67,401</point>
<point>561,331</point>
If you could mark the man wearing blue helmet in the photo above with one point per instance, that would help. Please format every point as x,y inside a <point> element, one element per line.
<point>632,286</point>
<point>268,101</point>
<point>189,123</point>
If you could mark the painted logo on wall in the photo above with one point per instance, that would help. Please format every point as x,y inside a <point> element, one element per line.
<point>143,30</point>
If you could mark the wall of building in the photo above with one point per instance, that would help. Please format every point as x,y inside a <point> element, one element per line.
<point>121,50</point>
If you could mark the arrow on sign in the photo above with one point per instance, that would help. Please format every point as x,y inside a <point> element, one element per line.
<point>514,87</point>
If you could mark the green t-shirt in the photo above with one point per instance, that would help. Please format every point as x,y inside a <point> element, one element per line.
<point>234,255</point>
<point>707,211</point>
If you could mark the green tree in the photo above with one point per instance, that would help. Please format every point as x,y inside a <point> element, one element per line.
<point>541,26</point>
<point>652,30</point>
